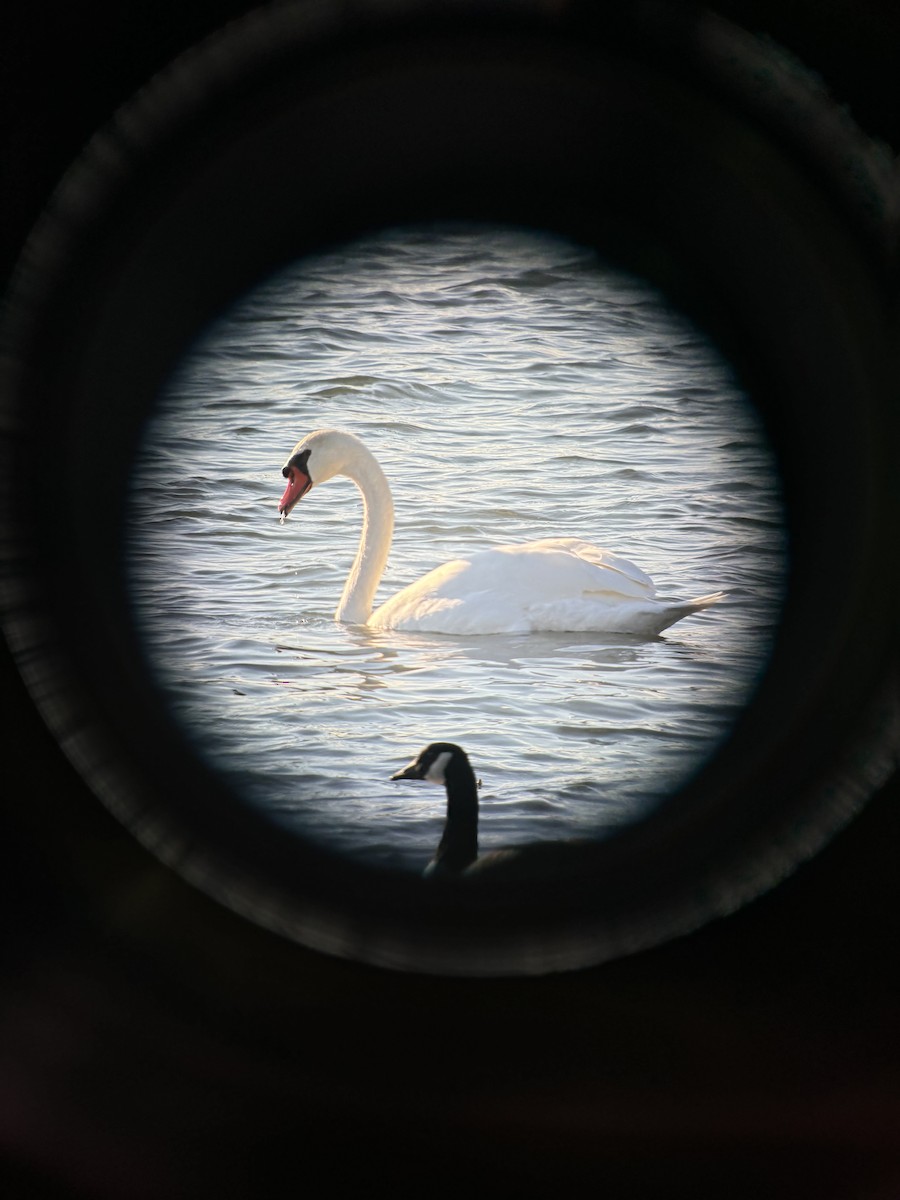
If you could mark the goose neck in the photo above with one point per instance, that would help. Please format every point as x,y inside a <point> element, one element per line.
<point>458,847</point>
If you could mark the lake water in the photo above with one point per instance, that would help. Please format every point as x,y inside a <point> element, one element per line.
<point>512,388</point>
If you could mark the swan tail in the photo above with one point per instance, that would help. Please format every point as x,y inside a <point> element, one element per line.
<point>674,612</point>
<point>704,601</point>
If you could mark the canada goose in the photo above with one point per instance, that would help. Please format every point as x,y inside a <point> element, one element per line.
<point>457,854</point>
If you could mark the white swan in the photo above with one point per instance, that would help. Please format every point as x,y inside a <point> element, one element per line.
<point>555,585</point>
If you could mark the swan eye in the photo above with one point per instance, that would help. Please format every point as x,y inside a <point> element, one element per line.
<point>299,462</point>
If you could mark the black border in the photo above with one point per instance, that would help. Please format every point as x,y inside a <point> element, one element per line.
<point>808,956</point>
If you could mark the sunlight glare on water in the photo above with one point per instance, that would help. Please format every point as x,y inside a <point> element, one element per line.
<point>512,388</point>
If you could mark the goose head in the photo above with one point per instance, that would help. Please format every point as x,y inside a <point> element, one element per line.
<point>447,765</point>
<point>431,763</point>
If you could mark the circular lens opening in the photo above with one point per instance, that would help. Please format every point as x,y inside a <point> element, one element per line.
<point>513,387</point>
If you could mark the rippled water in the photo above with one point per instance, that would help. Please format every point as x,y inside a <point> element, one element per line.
<point>512,388</point>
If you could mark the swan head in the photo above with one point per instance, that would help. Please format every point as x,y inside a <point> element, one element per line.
<point>314,459</point>
<point>431,763</point>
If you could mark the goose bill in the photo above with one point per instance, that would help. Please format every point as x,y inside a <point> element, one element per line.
<point>412,770</point>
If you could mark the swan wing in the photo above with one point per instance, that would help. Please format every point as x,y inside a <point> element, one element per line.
<point>554,584</point>
<point>581,562</point>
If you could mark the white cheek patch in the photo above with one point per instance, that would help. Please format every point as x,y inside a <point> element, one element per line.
<point>436,772</point>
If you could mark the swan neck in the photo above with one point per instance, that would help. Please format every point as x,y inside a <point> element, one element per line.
<point>355,605</point>
<point>458,847</point>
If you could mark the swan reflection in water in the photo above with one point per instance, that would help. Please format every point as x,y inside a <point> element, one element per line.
<point>556,584</point>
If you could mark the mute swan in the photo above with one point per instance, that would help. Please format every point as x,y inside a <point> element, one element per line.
<point>558,584</point>
<point>457,854</point>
